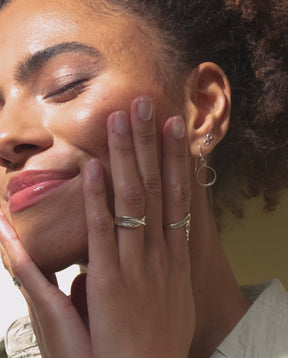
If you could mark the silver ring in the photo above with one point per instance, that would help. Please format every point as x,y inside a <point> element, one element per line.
<point>130,223</point>
<point>186,221</point>
<point>16,282</point>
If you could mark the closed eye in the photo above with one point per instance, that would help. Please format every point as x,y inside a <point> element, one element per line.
<point>68,92</point>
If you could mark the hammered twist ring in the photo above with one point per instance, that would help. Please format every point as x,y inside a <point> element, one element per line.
<point>129,222</point>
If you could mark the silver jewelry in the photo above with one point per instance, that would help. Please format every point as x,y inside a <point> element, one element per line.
<point>206,167</point>
<point>16,282</point>
<point>186,221</point>
<point>208,140</point>
<point>130,223</point>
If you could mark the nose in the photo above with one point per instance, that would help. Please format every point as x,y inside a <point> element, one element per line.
<point>22,135</point>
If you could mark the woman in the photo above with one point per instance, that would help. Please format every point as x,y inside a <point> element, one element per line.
<point>109,110</point>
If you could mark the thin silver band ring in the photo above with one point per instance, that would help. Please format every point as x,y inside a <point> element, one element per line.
<point>186,221</point>
<point>16,282</point>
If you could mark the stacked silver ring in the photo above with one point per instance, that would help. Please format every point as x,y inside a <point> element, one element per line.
<point>129,222</point>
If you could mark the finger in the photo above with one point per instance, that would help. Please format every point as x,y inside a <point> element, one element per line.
<point>176,182</point>
<point>145,145</point>
<point>20,263</point>
<point>57,317</point>
<point>103,254</point>
<point>128,190</point>
<point>37,331</point>
<point>5,259</point>
<point>35,324</point>
<point>57,324</point>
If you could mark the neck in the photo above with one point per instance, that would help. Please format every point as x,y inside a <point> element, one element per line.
<point>219,301</point>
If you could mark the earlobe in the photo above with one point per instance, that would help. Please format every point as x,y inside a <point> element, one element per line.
<point>208,97</point>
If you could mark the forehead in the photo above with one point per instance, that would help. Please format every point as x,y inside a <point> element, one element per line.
<point>28,26</point>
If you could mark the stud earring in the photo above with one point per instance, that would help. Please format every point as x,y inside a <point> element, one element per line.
<point>208,140</point>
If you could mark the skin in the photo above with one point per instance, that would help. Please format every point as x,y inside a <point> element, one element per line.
<point>69,134</point>
<point>66,135</point>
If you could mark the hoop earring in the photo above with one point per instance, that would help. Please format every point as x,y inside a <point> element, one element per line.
<point>204,166</point>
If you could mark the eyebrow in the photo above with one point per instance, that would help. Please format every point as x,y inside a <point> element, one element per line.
<point>4,3</point>
<point>26,68</point>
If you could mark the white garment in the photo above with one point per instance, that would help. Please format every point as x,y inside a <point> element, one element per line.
<point>261,333</point>
<point>20,340</point>
<point>263,330</point>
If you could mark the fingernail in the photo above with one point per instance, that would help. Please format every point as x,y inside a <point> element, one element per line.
<point>145,108</point>
<point>94,169</point>
<point>121,123</point>
<point>178,127</point>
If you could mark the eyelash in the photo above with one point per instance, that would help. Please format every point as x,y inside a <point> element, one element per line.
<point>68,92</point>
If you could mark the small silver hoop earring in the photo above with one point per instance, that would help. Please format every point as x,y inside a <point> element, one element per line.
<point>205,167</point>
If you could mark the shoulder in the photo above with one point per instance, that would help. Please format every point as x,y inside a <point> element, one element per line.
<point>262,332</point>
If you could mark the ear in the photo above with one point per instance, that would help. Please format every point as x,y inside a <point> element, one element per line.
<point>208,104</point>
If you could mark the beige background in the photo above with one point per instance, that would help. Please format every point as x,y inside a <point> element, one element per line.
<point>257,246</point>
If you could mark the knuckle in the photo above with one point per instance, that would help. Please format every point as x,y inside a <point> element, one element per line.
<point>182,192</point>
<point>103,223</point>
<point>124,149</point>
<point>106,281</point>
<point>20,266</point>
<point>181,153</point>
<point>133,194</point>
<point>146,137</point>
<point>54,298</point>
<point>152,184</point>
<point>95,191</point>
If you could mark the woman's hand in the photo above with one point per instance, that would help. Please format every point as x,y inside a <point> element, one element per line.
<point>139,293</point>
<point>58,327</point>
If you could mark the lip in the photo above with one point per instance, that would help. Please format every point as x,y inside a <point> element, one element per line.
<point>30,187</point>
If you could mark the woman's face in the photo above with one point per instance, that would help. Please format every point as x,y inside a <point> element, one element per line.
<point>63,70</point>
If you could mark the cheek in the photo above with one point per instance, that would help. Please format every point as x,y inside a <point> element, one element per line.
<point>82,121</point>
<point>81,124</point>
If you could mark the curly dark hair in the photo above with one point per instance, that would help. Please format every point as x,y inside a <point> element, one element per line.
<point>248,39</point>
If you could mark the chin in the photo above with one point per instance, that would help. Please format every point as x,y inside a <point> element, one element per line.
<point>56,254</point>
<point>59,263</point>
